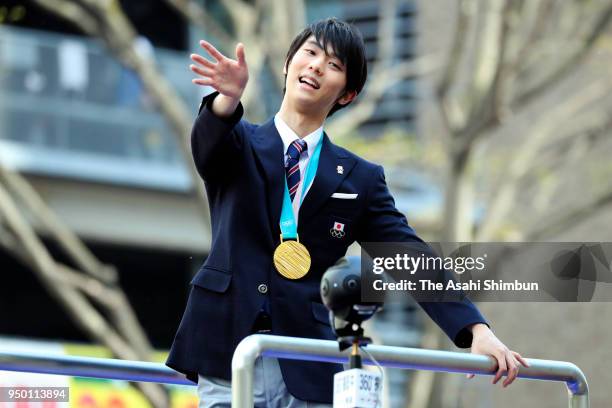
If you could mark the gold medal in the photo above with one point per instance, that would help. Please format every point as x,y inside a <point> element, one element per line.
<point>291,259</point>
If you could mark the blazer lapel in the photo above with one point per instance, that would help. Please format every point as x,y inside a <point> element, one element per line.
<point>328,178</point>
<point>268,145</point>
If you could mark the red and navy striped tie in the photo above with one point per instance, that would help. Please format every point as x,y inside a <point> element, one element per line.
<point>292,166</point>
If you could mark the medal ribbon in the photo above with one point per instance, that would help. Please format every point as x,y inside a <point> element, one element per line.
<point>288,225</point>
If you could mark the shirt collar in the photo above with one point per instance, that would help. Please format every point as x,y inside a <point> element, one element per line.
<point>289,136</point>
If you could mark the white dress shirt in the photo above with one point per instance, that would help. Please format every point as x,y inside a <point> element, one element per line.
<point>312,140</point>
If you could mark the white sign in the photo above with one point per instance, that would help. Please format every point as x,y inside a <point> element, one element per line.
<point>357,388</point>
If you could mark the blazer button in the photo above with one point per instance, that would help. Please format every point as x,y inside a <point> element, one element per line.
<point>263,288</point>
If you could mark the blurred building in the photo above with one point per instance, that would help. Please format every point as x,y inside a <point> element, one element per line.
<point>82,129</point>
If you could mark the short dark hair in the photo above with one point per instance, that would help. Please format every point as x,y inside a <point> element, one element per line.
<point>347,43</point>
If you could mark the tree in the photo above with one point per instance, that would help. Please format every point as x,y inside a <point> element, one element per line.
<point>520,102</point>
<point>501,75</point>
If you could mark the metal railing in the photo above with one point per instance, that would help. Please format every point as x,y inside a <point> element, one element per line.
<point>293,348</point>
<point>45,363</point>
<point>398,357</point>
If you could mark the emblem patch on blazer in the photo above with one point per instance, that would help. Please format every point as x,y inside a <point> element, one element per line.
<point>340,169</point>
<point>337,231</point>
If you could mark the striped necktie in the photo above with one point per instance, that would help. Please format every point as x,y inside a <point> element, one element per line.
<point>292,166</point>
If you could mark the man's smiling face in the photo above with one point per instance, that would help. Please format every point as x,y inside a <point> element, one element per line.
<point>316,79</point>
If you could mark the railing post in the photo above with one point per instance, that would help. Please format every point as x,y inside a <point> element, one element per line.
<point>578,400</point>
<point>243,365</point>
<point>577,388</point>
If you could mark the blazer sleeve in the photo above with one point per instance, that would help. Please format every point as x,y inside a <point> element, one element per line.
<point>216,142</point>
<point>384,223</point>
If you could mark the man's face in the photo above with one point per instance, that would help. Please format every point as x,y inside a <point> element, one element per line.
<point>316,79</point>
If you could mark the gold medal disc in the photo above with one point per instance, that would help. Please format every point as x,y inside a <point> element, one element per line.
<point>292,259</point>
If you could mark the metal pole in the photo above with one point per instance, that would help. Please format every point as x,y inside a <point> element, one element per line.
<point>399,357</point>
<point>90,367</point>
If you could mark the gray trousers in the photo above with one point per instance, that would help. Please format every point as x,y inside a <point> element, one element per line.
<point>269,389</point>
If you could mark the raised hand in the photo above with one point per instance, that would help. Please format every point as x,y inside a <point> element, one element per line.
<point>226,75</point>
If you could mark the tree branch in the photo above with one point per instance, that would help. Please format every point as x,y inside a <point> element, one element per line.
<point>72,12</point>
<point>488,78</point>
<point>361,110</point>
<point>75,305</point>
<point>568,66</point>
<point>456,53</point>
<point>197,15</point>
<point>523,159</point>
<point>67,240</point>
<point>568,220</point>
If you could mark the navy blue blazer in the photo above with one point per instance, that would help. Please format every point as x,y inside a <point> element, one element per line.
<point>242,168</point>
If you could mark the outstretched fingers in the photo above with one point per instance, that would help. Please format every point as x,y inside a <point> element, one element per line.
<point>200,60</point>
<point>204,68</point>
<point>229,77</point>
<point>240,56</point>
<point>205,72</point>
<point>203,81</point>
<point>212,50</point>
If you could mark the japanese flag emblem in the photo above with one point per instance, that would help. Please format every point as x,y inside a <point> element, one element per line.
<point>338,230</point>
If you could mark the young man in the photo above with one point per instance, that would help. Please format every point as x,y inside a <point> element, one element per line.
<point>264,198</point>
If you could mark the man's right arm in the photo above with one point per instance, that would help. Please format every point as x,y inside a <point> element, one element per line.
<point>215,138</point>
